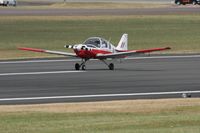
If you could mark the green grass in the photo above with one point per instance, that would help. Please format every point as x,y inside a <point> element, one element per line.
<point>179,117</point>
<point>179,32</point>
<point>98,123</point>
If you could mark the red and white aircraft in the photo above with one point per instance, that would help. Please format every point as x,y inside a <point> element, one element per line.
<point>98,48</point>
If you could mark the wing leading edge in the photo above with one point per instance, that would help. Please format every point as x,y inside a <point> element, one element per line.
<point>48,51</point>
<point>98,56</point>
<point>129,53</point>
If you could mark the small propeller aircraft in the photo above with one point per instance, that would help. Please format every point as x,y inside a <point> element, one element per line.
<point>98,48</point>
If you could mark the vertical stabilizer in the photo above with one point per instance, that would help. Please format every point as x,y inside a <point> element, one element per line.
<point>123,43</point>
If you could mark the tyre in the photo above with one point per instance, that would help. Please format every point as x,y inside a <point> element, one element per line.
<point>194,2</point>
<point>178,2</point>
<point>77,66</point>
<point>111,66</point>
<point>186,95</point>
<point>83,67</point>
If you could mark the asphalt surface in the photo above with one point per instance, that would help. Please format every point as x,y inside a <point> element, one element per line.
<point>51,81</point>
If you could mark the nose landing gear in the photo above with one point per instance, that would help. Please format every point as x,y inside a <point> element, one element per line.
<point>77,66</point>
<point>82,65</point>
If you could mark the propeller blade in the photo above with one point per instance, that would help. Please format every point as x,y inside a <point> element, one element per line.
<point>69,46</point>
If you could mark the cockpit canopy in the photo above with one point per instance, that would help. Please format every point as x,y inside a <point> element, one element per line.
<point>97,42</point>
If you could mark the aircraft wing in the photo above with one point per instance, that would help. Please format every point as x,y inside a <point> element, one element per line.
<point>48,51</point>
<point>129,53</point>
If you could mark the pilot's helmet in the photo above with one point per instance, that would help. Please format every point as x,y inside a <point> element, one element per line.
<point>97,42</point>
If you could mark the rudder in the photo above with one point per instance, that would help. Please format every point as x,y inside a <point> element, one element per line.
<point>123,43</point>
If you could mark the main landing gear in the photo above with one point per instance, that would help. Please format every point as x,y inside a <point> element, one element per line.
<point>83,66</point>
<point>110,66</point>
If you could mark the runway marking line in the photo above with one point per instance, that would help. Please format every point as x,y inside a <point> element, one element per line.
<point>99,95</point>
<point>72,60</point>
<point>38,73</point>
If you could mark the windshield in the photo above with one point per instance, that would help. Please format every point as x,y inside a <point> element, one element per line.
<point>92,42</point>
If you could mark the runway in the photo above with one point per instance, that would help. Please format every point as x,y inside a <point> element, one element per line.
<point>50,81</point>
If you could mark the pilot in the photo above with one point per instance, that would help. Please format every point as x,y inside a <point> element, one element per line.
<point>104,44</point>
<point>97,42</point>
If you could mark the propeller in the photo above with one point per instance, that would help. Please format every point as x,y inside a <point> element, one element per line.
<point>77,47</point>
<point>69,46</point>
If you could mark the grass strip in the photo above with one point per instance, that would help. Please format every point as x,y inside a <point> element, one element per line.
<point>166,115</point>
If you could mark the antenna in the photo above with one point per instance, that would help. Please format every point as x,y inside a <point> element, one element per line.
<point>109,40</point>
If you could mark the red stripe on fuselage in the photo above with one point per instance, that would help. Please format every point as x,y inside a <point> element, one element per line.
<point>90,53</point>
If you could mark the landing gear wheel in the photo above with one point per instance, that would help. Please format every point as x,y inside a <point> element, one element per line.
<point>83,67</point>
<point>178,3</point>
<point>194,2</point>
<point>111,66</point>
<point>77,66</point>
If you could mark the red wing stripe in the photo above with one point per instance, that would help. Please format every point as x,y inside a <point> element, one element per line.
<point>32,49</point>
<point>47,51</point>
<point>151,50</point>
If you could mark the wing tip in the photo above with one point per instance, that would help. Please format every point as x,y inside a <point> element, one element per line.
<point>31,49</point>
<point>168,48</point>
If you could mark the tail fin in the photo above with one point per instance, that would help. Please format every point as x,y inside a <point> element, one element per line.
<point>123,43</point>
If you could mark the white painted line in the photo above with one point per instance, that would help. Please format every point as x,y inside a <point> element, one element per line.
<point>39,61</point>
<point>73,60</point>
<point>38,73</point>
<point>96,96</point>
